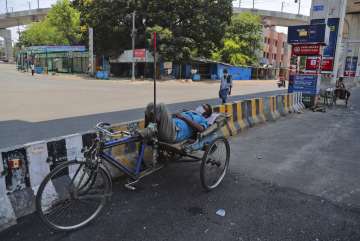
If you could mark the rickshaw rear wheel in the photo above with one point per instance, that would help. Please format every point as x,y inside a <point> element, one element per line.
<point>215,163</point>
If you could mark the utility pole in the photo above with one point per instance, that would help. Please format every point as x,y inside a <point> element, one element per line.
<point>6,6</point>
<point>298,1</point>
<point>133,33</point>
<point>38,4</point>
<point>282,6</point>
<point>239,3</point>
<point>91,52</point>
<point>253,3</point>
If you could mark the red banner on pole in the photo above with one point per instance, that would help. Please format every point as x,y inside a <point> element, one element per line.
<point>306,50</point>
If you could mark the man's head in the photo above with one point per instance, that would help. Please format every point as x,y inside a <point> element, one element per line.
<point>225,71</point>
<point>205,110</point>
<point>341,79</point>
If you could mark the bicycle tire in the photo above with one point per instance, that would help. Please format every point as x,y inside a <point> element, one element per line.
<point>89,183</point>
<point>205,161</point>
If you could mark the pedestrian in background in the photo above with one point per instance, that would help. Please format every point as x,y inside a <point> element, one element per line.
<point>225,86</point>
<point>32,68</point>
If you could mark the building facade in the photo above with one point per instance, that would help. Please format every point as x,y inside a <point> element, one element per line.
<point>276,51</point>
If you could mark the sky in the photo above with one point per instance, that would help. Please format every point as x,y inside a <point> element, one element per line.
<point>274,5</point>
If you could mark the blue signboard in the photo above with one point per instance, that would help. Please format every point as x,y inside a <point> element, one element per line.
<point>318,8</point>
<point>303,34</point>
<point>333,24</point>
<point>55,48</point>
<point>354,63</point>
<point>307,84</point>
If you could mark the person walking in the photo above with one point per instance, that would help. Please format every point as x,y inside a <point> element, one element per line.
<point>32,68</point>
<point>225,86</point>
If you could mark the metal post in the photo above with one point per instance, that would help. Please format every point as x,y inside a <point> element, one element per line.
<point>38,3</point>
<point>91,51</point>
<point>239,3</point>
<point>282,6</point>
<point>133,46</point>
<point>299,6</point>
<point>6,6</point>
<point>29,5</point>
<point>154,36</point>
<point>253,3</point>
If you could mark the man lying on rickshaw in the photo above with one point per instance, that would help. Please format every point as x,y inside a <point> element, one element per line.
<point>177,127</point>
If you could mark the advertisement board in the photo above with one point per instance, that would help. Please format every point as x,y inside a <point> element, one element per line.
<point>139,53</point>
<point>306,34</point>
<point>350,66</point>
<point>333,24</point>
<point>306,49</point>
<point>312,63</point>
<point>327,64</point>
<point>306,83</point>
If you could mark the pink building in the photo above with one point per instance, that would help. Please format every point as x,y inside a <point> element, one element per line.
<point>276,51</point>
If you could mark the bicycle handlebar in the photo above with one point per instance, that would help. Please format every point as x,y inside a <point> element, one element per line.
<point>102,127</point>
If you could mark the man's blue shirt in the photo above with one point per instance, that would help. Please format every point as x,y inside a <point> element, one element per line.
<point>184,131</point>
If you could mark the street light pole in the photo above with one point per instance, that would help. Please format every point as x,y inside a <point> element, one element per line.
<point>6,6</point>
<point>253,3</point>
<point>282,6</point>
<point>133,46</point>
<point>298,1</point>
<point>38,3</point>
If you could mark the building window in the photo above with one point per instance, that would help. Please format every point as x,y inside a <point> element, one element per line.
<point>264,55</point>
<point>276,43</point>
<point>282,57</point>
<point>274,56</point>
<point>267,55</point>
<point>265,39</point>
<point>283,44</point>
<point>268,40</point>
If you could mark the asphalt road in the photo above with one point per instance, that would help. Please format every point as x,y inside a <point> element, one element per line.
<point>18,132</point>
<point>294,179</point>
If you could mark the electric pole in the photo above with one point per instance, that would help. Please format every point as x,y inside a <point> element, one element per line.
<point>133,33</point>
<point>239,3</point>
<point>282,6</point>
<point>298,1</point>
<point>253,3</point>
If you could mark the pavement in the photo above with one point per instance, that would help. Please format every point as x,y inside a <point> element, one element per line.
<point>45,106</point>
<point>294,179</point>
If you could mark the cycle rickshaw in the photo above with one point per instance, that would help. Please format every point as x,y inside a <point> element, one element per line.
<point>75,192</point>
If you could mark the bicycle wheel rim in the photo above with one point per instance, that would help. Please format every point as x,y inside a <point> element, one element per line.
<point>54,209</point>
<point>215,164</point>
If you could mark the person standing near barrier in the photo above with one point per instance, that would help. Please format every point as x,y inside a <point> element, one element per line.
<point>225,86</point>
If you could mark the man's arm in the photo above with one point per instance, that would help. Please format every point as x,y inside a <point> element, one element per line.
<point>191,123</point>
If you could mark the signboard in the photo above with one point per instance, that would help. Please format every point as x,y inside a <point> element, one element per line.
<point>350,66</point>
<point>60,48</point>
<point>327,64</point>
<point>312,63</point>
<point>306,49</point>
<point>139,54</point>
<point>322,9</point>
<point>305,34</point>
<point>333,24</point>
<point>307,84</point>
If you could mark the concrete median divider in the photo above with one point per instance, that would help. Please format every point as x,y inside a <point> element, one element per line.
<point>22,168</point>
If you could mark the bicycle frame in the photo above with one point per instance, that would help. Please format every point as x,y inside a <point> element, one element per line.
<point>113,161</point>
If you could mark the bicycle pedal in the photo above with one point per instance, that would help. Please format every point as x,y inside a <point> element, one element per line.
<point>130,185</point>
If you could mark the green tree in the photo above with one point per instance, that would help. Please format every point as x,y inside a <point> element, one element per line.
<point>242,40</point>
<point>60,27</point>
<point>190,27</point>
